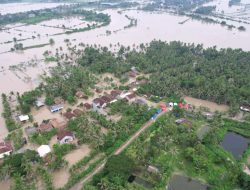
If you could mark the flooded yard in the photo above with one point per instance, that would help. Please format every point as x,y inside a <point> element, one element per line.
<point>179,182</point>
<point>60,177</point>
<point>207,104</point>
<point>77,154</point>
<point>150,26</point>
<point>235,143</point>
<point>5,185</point>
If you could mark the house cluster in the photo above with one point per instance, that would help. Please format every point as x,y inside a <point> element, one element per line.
<point>63,137</point>
<point>100,103</point>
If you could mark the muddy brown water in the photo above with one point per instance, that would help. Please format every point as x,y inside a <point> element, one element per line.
<point>204,103</point>
<point>166,28</point>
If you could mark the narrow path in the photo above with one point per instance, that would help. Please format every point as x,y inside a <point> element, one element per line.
<point>79,185</point>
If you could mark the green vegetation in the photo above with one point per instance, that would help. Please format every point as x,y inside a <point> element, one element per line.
<point>181,5</point>
<point>51,59</point>
<point>86,132</point>
<point>176,148</point>
<point>17,138</point>
<point>7,115</point>
<point>65,81</point>
<point>242,28</point>
<point>34,17</point>
<point>205,10</point>
<point>181,69</point>
<point>42,138</point>
<point>19,164</point>
<point>27,99</point>
<point>117,169</point>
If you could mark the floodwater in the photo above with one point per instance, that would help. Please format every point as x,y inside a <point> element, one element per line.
<point>207,104</point>
<point>150,26</point>
<point>5,184</point>
<point>76,155</point>
<point>179,182</point>
<point>60,177</point>
<point>235,143</point>
<point>22,7</point>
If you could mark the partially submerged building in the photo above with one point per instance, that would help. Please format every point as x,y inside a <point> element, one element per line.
<point>39,103</point>
<point>56,108</point>
<point>69,115</point>
<point>23,118</point>
<point>43,150</point>
<point>5,149</point>
<point>30,131</point>
<point>44,127</point>
<point>58,124</point>
<point>64,137</point>
<point>184,121</point>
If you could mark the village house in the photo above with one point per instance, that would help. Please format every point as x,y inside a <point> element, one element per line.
<point>152,169</point>
<point>5,149</point>
<point>44,127</point>
<point>58,124</point>
<point>43,150</point>
<point>124,94</point>
<point>133,69</point>
<point>131,97</point>
<point>87,106</point>
<point>132,74</point>
<point>65,137</point>
<point>98,103</point>
<point>77,112</point>
<point>80,94</point>
<point>115,93</point>
<point>184,121</point>
<point>98,90</point>
<point>56,108</point>
<point>208,115</point>
<point>23,118</point>
<point>58,100</point>
<point>69,115</point>
<point>30,131</point>
<point>39,103</point>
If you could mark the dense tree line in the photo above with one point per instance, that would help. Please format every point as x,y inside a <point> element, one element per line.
<point>177,68</point>
<point>205,10</point>
<point>65,81</point>
<point>33,17</point>
<point>7,114</point>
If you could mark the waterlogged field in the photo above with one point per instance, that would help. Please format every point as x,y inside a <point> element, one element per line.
<point>150,26</point>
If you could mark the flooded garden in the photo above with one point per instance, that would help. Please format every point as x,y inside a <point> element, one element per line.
<point>235,144</point>
<point>179,182</point>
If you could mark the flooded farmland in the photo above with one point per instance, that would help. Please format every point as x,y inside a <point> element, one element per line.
<point>235,143</point>
<point>150,26</point>
<point>207,104</point>
<point>179,182</point>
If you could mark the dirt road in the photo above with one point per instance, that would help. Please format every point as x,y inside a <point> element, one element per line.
<point>79,185</point>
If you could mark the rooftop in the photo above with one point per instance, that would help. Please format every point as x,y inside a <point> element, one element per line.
<point>63,134</point>
<point>5,147</point>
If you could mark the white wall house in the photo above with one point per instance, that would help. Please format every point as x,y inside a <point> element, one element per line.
<point>64,137</point>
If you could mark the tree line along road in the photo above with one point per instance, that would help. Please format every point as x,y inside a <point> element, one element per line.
<point>98,168</point>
